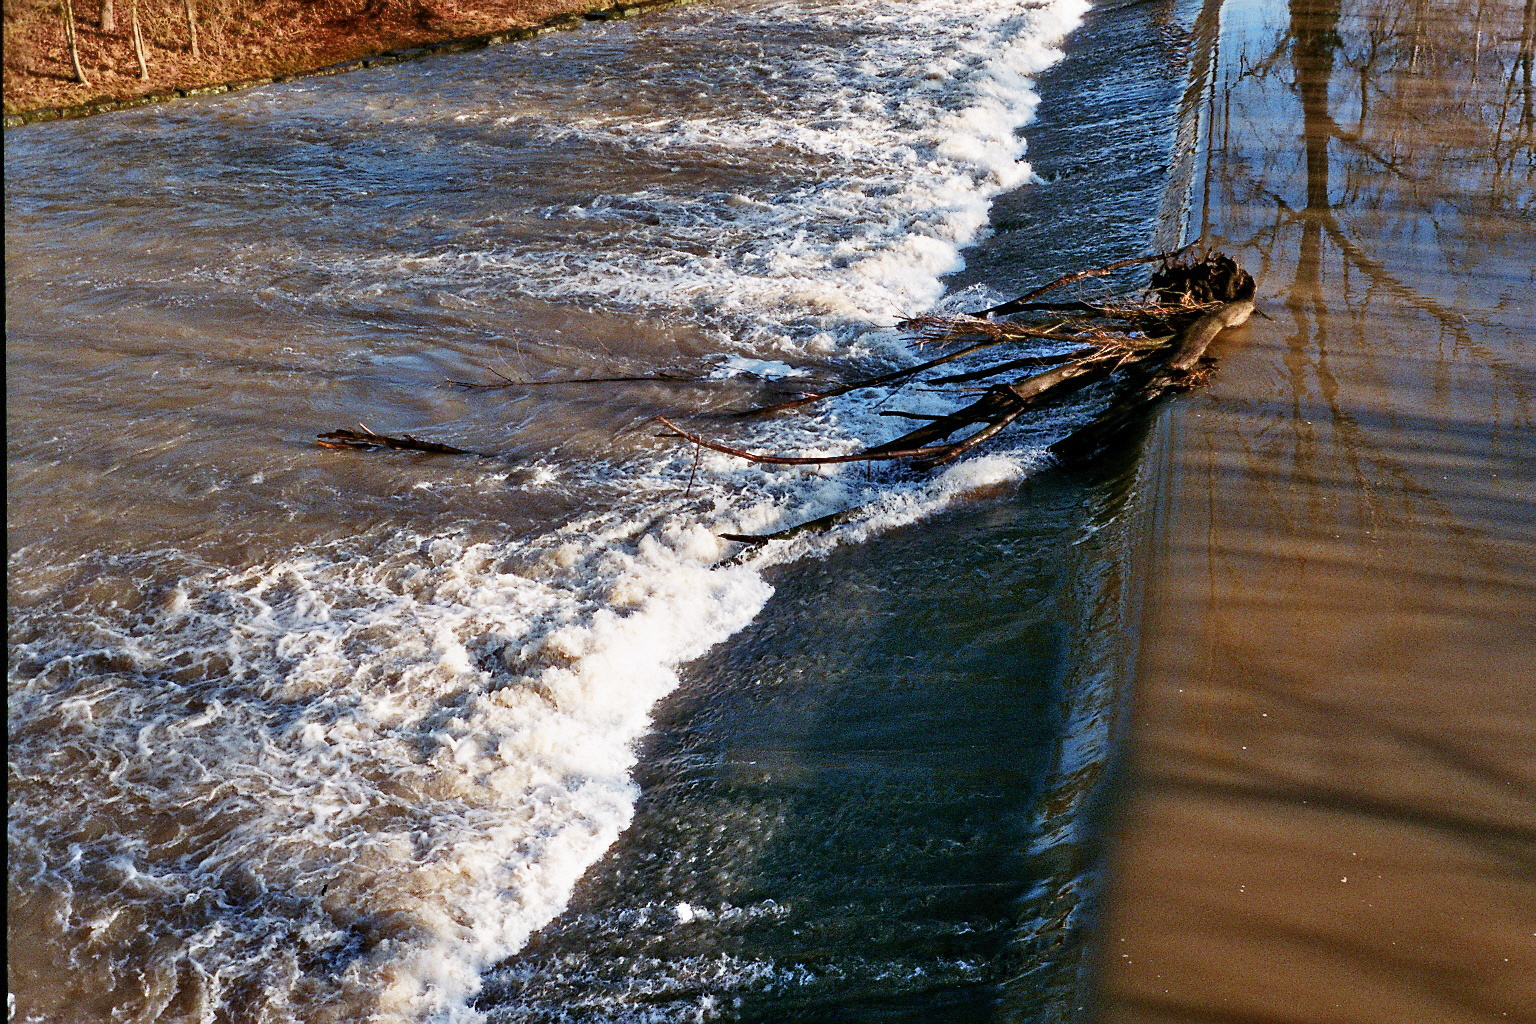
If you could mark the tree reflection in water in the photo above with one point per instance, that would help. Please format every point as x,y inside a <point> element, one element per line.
<point>1333,806</point>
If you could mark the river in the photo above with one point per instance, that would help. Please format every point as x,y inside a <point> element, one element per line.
<point>308,734</point>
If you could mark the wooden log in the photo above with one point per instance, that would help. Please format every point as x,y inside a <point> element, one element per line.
<point>1149,386</point>
<point>1197,337</point>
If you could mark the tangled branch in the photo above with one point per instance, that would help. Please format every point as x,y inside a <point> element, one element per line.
<point>1152,347</point>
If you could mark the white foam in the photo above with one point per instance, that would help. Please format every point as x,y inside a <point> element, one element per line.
<point>911,148</point>
<point>741,366</point>
<point>436,742</point>
<point>866,172</point>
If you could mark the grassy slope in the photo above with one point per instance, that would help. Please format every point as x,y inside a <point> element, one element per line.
<point>238,40</point>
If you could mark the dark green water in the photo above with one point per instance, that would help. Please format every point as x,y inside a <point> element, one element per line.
<point>876,802</point>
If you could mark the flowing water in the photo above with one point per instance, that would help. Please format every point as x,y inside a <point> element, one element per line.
<point>303,734</point>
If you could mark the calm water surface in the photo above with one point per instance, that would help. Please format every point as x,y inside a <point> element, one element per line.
<point>1334,811</point>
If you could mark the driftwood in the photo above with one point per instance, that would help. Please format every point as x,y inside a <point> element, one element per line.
<point>1147,350</point>
<point>366,440</point>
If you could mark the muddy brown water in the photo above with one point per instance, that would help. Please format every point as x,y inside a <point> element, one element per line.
<point>1332,814</point>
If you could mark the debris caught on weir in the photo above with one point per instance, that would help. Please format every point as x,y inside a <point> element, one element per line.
<point>1046,350</point>
<point>1144,349</point>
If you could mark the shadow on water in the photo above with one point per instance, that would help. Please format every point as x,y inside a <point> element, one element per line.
<point>875,804</point>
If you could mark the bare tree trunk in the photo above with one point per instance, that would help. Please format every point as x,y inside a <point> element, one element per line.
<point>192,28</point>
<point>108,18</point>
<point>74,44</point>
<point>138,42</point>
<point>1527,50</point>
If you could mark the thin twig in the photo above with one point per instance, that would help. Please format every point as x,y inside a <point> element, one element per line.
<point>509,382</point>
<point>796,460</point>
<point>910,415</point>
<point>697,451</point>
<point>1022,301</point>
<point>1013,364</point>
<point>870,382</point>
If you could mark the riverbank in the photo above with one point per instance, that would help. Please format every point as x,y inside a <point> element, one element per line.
<point>1332,801</point>
<point>266,41</point>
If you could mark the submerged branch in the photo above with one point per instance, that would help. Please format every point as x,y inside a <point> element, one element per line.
<point>366,440</point>
<point>503,381</point>
<point>792,460</point>
<point>870,382</point>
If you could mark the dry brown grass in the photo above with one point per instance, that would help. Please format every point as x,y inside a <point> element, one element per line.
<point>238,39</point>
